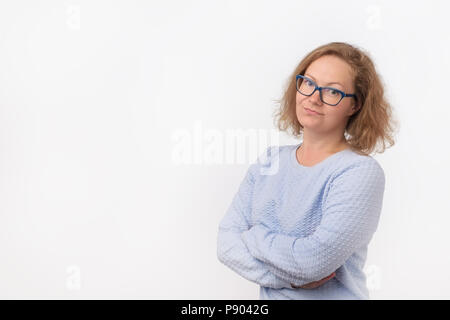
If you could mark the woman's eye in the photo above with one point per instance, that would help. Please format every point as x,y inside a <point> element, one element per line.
<point>309,83</point>
<point>333,92</point>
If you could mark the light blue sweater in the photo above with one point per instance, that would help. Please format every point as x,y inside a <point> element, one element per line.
<point>294,224</point>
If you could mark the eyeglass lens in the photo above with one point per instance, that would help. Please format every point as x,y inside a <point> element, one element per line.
<point>329,95</point>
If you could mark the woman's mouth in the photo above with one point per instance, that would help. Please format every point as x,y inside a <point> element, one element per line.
<point>312,112</point>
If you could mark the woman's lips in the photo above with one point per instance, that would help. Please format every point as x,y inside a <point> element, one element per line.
<point>312,112</point>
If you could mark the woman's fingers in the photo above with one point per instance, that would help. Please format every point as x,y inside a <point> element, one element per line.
<point>329,277</point>
<point>316,284</point>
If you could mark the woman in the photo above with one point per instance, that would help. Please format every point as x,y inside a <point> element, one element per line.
<point>302,232</point>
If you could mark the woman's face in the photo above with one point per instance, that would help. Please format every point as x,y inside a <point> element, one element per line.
<point>329,71</point>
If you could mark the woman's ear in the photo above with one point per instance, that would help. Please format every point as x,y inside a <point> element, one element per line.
<point>356,107</point>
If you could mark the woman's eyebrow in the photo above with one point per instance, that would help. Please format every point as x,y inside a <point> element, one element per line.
<point>306,74</point>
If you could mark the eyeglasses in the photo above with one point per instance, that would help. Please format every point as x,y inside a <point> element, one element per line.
<point>328,95</point>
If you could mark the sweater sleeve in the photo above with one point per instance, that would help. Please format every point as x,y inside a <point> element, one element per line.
<point>231,249</point>
<point>349,218</point>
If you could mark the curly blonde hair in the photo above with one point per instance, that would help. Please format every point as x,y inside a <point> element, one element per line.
<point>372,124</point>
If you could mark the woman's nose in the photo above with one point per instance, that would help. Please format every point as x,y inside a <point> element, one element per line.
<point>315,97</point>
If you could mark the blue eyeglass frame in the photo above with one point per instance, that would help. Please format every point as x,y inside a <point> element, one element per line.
<point>316,87</point>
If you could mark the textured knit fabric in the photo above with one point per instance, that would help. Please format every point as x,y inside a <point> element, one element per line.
<point>289,224</point>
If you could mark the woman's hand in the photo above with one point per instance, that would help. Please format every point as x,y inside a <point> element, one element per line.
<point>314,284</point>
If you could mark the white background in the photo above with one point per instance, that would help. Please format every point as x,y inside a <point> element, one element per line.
<point>92,202</point>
